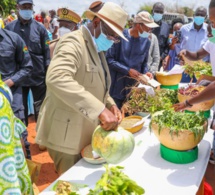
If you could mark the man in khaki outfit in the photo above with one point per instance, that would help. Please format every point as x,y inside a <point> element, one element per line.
<point>78,82</point>
<point>68,21</point>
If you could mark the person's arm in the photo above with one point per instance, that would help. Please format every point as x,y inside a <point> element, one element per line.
<point>23,63</point>
<point>194,56</point>
<point>207,94</point>
<point>174,41</point>
<point>153,67</point>
<point>166,43</point>
<point>45,42</point>
<point>56,26</point>
<point>112,57</point>
<point>46,23</point>
<point>144,68</point>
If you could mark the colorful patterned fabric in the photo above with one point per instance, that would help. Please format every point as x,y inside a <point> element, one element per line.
<point>14,174</point>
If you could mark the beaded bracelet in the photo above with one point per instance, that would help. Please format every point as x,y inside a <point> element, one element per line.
<point>187,104</point>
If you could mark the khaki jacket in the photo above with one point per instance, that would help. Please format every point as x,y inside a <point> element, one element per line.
<point>77,92</point>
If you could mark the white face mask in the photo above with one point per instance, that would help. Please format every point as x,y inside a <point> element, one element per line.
<point>13,14</point>
<point>63,30</point>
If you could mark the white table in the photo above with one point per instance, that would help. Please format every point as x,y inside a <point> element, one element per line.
<point>156,175</point>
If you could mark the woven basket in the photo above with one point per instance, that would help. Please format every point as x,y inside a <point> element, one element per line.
<point>168,79</point>
<point>132,129</point>
<point>203,106</point>
<point>185,140</point>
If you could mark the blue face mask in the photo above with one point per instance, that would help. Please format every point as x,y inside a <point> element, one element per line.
<point>102,42</point>
<point>199,20</point>
<point>212,39</point>
<point>26,14</point>
<point>144,34</point>
<point>157,17</point>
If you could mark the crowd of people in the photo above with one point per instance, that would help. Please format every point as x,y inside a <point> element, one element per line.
<point>80,72</point>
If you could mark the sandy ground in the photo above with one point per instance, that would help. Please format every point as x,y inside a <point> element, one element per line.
<point>47,173</point>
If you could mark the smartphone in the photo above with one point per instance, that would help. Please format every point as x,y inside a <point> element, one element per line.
<point>178,35</point>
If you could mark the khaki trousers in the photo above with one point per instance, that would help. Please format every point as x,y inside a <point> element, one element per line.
<point>63,161</point>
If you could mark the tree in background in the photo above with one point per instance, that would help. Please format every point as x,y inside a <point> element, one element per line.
<point>6,6</point>
<point>174,8</point>
<point>188,11</point>
<point>146,7</point>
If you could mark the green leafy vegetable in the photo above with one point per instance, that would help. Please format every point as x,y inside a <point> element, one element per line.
<point>179,121</point>
<point>140,101</point>
<point>115,182</point>
<point>198,68</point>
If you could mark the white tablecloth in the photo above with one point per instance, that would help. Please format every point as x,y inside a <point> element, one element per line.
<point>156,175</point>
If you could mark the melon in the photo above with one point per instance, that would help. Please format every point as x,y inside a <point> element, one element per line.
<point>114,146</point>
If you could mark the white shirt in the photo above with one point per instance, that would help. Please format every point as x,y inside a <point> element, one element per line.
<point>54,23</point>
<point>210,48</point>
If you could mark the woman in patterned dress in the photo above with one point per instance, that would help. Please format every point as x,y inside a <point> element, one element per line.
<point>14,174</point>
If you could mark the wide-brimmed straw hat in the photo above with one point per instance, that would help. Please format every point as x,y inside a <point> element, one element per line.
<point>113,15</point>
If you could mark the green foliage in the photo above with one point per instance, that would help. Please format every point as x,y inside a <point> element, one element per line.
<point>146,7</point>
<point>140,101</point>
<point>6,6</point>
<point>179,121</point>
<point>188,11</point>
<point>198,68</point>
<point>115,182</point>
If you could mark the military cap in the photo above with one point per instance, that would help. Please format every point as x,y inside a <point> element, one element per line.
<point>68,15</point>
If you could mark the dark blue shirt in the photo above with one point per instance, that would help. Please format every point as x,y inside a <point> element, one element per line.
<point>15,63</point>
<point>36,38</point>
<point>162,34</point>
<point>123,56</point>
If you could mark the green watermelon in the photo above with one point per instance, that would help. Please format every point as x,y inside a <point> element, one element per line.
<point>114,146</point>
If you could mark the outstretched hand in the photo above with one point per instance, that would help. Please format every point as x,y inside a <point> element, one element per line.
<point>179,107</point>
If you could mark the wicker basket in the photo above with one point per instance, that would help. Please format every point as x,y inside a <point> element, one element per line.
<point>207,105</point>
<point>168,79</point>
<point>130,128</point>
<point>185,140</point>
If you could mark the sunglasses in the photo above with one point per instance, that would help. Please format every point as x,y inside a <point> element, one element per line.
<point>110,36</point>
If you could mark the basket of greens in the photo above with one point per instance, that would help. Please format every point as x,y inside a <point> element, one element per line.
<point>178,130</point>
<point>140,101</point>
<point>185,93</point>
<point>198,68</point>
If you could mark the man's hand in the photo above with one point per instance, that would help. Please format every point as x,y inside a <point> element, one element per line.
<point>9,83</point>
<point>133,73</point>
<point>108,120</point>
<point>181,56</point>
<point>174,40</point>
<point>150,75</point>
<point>182,53</point>
<point>164,64</point>
<point>179,106</point>
<point>115,110</point>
